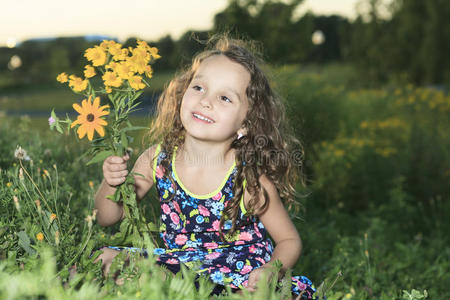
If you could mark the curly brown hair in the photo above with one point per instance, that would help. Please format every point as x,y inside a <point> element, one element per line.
<point>267,148</point>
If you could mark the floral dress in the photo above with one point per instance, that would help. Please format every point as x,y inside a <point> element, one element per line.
<point>190,231</point>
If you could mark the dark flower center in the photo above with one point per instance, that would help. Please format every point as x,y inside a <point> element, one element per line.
<point>90,117</point>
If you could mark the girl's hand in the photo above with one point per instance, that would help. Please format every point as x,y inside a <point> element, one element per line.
<point>115,169</point>
<point>256,275</point>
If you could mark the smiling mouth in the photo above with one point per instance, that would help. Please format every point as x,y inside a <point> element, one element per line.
<point>199,117</point>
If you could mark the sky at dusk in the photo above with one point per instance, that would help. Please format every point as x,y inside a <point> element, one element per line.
<point>145,19</point>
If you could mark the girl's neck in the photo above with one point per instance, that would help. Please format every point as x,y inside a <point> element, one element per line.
<point>205,154</point>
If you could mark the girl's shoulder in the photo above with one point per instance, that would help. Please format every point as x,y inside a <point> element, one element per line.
<point>145,160</point>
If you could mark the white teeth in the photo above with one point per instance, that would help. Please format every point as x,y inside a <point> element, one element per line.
<point>202,118</point>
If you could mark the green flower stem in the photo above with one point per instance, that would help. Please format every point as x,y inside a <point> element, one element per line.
<point>37,188</point>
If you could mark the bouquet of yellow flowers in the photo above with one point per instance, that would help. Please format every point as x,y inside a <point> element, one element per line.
<point>118,74</point>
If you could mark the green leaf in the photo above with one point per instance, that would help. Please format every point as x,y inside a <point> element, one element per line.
<point>100,156</point>
<point>124,140</point>
<point>24,242</point>
<point>134,128</point>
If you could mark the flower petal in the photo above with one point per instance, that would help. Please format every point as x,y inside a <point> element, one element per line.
<point>102,122</point>
<point>78,108</point>
<point>100,130</point>
<point>96,102</point>
<point>90,133</point>
<point>81,131</point>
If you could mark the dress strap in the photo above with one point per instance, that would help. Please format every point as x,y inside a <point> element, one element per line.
<point>244,211</point>
<point>155,162</point>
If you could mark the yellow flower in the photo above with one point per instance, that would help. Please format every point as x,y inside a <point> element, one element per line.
<point>122,55</point>
<point>111,79</point>
<point>89,118</point>
<point>364,124</point>
<point>339,152</point>
<point>115,49</point>
<point>97,55</point>
<point>141,53</point>
<point>46,173</point>
<point>137,63</point>
<point>91,184</point>
<point>136,82</point>
<point>40,236</point>
<point>8,184</point>
<point>148,71</point>
<point>106,44</point>
<point>62,77</point>
<point>112,66</point>
<point>89,71</point>
<point>124,70</point>
<point>154,52</point>
<point>108,90</point>
<point>77,84</point>
<point>52,217</point>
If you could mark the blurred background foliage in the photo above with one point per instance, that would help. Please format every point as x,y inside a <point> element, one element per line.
<point>404,41</point>
<point>367,97</point>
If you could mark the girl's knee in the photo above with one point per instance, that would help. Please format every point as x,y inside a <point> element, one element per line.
<point>107,256</point>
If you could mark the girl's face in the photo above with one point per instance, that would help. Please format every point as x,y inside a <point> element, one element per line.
<point>217,92</point>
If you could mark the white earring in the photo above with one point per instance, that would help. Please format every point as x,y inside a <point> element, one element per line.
<point>240,135</point>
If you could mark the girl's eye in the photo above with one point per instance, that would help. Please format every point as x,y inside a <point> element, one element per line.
<point>197,88</point>
<point>225,98</point>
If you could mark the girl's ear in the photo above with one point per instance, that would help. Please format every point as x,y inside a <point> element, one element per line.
<point>241,132</point>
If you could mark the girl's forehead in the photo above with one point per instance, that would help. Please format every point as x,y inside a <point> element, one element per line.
<point>223,63</point>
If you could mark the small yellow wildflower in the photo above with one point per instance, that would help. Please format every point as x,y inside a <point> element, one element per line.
<point>106,44</point>
<point>62,77</point>
<point>339,152</point>
<point>124,70</point>
<point>112,66</point>
<point>138,63</point>
<point>46,173</point>
<point>52,217</point>
<point>91,184</point>
<point>77,84</point>
<point>364,124</point>
<point>148,71</point>
<point>40,236</point>
<point>122,55</point>
<point>108,90</point>
<point>115,49</point>
<point>154,52</point>
<point>97,55</point>
<point>111,79</point>
<point>89,71</point>
<point>366,253</point>
<point>141,54</point>
<point>8,184</point>
<point>348,296</point>
<point>136,82</point>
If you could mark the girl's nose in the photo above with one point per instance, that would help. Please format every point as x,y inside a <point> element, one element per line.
<point>205,101</point>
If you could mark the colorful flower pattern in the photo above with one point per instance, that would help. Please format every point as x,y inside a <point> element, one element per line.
<point>189,228</point>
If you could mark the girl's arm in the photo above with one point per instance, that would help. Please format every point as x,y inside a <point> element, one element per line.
<point>110,212</point>
<point>276,220</point>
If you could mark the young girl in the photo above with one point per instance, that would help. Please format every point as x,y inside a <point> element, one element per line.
<point>220,168</point>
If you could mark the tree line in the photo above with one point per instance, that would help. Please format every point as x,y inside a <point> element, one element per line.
<point>411,44</point>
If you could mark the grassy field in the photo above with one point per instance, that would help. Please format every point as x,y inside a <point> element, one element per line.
<point>374,225</point>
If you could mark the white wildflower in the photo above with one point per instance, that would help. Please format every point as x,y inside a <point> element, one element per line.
<point>21,154</point>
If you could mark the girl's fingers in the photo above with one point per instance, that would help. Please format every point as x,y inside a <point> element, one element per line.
<point>120,174</point>
<point>117,167</point>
